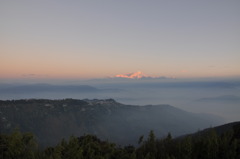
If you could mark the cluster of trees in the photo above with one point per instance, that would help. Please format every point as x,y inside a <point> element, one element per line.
<point>199,146</point>
<point>209,145</point>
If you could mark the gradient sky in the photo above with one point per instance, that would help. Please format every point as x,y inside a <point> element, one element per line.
<point>95,39</point>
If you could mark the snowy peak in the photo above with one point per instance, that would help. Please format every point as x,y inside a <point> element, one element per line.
<point>139,75</point>
<point>135,75</point>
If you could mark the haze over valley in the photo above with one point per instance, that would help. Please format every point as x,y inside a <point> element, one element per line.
<point>217,96</point>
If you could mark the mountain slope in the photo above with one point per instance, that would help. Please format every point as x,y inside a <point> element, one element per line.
<point>52,120</point>
<point>221,129</point>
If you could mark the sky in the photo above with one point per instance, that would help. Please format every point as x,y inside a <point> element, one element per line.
<point>98,39</point>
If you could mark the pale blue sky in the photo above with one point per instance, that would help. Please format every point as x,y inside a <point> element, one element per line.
<point>88,39</point>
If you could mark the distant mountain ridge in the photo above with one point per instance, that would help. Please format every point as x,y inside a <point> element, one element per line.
<point>52,120</point>
<point>42,87</point>
<point>232,98</point>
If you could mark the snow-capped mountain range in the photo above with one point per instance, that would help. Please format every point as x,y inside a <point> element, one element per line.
<point>138,75</point>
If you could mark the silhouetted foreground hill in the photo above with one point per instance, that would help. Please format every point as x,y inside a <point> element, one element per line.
<point>207,145</point>
<point>52,120</point>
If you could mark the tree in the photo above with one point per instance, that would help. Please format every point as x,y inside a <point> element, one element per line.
<point>140,140</point>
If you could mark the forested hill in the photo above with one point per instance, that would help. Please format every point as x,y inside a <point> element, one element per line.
<point>207,145</point>
<point>52,120</point>
<point>219,129</point>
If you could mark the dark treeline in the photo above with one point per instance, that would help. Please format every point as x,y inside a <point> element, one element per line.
<point>209,145</point>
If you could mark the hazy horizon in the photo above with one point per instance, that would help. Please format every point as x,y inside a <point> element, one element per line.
<point>215,96</point>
